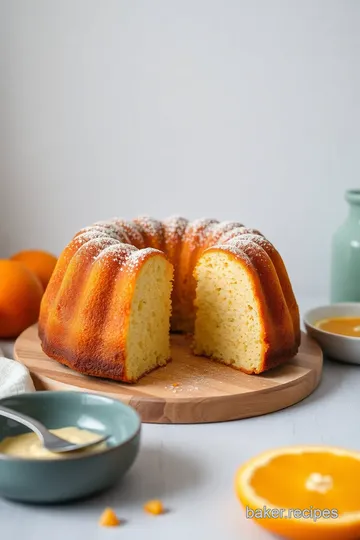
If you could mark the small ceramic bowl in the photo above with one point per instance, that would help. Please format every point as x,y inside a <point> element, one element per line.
<point>336,346</point>
<point>59,480</point>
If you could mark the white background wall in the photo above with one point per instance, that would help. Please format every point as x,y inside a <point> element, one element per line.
<point>235,109</point>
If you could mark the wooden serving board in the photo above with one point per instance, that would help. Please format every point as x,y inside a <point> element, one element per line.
<point>190,389</point>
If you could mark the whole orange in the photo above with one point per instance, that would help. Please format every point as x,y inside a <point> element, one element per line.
<point>21,292</point>
<point>40,262</point>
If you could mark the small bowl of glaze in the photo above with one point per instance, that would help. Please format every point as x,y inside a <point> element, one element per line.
<point>327,324</point>
<point>75,476</point>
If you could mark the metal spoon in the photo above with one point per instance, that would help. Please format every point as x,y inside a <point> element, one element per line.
<point>49,440</point>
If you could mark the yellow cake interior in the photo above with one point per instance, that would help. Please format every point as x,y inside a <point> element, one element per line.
<point>227,325</point>
<point>148,338</point>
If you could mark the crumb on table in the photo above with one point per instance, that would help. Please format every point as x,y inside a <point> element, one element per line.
<point>109,518</point>
<point>154,507</point>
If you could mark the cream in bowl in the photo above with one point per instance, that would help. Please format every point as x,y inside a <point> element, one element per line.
<point>336,327</point>
<point>27,472</point>
<point>29,446</point>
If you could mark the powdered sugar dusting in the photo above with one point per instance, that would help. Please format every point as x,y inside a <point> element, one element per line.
<point>136,258</point>
<point>116,253</point>
<point>96,245</point>
<point>234,250</point>
<point>151,226</point>
<point>263,242</point>
<point>90,235</point>
<point>196,231</point>
<point>243,240</point>
<point>217,230</point>
<point>116,229</point>
<point>177,388</point>
<point>225,226</point>
<point>101,242</point>
<point>237,231</point>
<point>107,224</point>
<point>100,229</point>
<point>133,241</point>
<point>175,226</point>
<point>132,230</point>
<point>252,249</point>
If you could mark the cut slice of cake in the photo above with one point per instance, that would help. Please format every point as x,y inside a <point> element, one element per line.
<point>147,337</point>
<point>242,318</point>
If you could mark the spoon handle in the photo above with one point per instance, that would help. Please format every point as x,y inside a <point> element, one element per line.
<point>31,423</point>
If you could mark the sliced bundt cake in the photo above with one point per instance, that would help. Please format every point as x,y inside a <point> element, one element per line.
<point>121,286</point>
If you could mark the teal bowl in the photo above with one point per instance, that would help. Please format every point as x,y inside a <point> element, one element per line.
<point>49,481</point>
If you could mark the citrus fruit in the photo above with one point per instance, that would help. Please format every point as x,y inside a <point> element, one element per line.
<point>40,262</point>
<point>303,492</point>
<point>21,292</point>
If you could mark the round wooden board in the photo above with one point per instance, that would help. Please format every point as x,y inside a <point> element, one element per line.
<point>190,389</point>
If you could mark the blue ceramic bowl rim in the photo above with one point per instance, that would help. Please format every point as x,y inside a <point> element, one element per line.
<point>325,332</point>
<point>106,451</point>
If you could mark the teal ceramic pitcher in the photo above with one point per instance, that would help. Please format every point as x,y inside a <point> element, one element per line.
<point>345,255</point>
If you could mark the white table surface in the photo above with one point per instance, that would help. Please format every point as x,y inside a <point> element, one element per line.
<point>191,468</point>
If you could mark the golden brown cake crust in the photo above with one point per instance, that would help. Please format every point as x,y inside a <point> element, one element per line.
<point>76,326</point>
<point>90,363</point>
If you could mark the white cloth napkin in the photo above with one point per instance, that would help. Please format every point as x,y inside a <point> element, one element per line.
<point>14,377</point>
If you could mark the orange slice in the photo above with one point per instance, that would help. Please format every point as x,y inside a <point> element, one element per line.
<point>303,492</point>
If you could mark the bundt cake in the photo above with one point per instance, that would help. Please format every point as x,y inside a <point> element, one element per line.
<point>120,287</point>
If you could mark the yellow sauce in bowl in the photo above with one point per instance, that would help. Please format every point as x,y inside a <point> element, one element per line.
<point>28,445</point>
<point>345,326</point>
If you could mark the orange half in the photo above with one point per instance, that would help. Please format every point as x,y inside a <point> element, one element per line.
<point>303,492</point>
